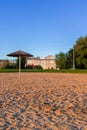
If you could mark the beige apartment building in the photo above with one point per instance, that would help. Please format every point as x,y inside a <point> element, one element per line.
<point>46,63</point>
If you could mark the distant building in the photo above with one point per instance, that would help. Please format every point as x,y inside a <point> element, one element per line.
<point>3,63</point>
<point>46,63</point>
<point>14,61</point>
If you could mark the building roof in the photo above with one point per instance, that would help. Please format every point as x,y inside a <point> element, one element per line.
<point>49,57</point>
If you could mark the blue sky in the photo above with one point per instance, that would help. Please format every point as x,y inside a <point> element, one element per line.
<point>41,27</point>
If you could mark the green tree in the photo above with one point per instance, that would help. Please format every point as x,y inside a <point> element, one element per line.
<point>81,53</point>
<point>69,59</point>
<point>23,62</point>
<point>60,60</point>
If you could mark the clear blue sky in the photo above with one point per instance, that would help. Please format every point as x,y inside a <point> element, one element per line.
<point>41,27</point>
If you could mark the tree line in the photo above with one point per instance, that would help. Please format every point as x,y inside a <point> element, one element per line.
<point>77,55</point>
<point>6,64</point>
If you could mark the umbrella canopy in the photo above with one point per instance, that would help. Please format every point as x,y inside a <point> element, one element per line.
<point>20,54</point>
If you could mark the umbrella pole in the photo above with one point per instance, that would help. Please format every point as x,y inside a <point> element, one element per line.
<point>19,66</point>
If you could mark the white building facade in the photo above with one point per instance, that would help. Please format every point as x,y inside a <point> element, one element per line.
<point>46,63</point>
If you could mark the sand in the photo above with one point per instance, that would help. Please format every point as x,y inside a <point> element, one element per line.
<point>43,101</point>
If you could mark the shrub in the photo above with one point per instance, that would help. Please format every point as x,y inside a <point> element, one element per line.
<point>33,67</point>
<point>11,66</point>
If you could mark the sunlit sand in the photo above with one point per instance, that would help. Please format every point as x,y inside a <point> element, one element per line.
<point>43,101</point>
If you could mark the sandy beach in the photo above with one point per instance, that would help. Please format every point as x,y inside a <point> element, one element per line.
<point>43,101</point>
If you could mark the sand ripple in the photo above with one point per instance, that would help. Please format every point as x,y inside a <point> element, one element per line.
<point>43,101</point>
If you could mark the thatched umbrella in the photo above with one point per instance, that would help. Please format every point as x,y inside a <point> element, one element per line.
<point>20,54</point>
